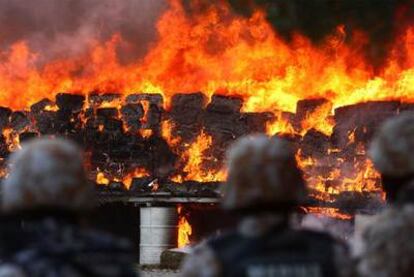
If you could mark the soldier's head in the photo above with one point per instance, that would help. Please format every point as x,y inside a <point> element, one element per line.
<point>392,153</point>
<point>262,175</point>
<point>388,244</point>
<point>46,173</point>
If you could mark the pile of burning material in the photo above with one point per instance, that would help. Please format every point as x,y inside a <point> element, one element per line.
<point>138,145</point>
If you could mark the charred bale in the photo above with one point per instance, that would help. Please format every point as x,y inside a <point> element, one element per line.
<point>4,150</point>
<point>161,158</point>
<point>19,121</point>
<point>141,185</point>
<point>153,119</point>
<point>315,144</point>
<point>225,104</point>
<point>224,122</point>
<point>4,117</point>
<point>117,186</point>
<point>107,113</point>
<point>363,119</point>
<point>67,122</point>
<point>186,113</point>
<point>45,122</point>
<point>131,115</point>
<point>152,98</point>
<point>96,99</point>
<point>41,105</point>
<point>70,102</point>
<point>256,122</point>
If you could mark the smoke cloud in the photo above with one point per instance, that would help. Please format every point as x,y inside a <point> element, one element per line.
<point>66,27</point>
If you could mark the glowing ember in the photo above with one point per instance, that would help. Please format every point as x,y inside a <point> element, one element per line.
<point>331,212</point>
<point>146,133</point>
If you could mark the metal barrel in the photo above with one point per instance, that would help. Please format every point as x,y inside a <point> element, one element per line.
<point>158,232</point>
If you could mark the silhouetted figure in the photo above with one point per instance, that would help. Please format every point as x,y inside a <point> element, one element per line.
<point>43,199</point>
<point>264,185</point>
<point>392,152</point>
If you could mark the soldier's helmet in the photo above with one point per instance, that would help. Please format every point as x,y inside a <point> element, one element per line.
<point>388,245</point>
<point>262,174</point>
<point>46,173</point>
<point>392,148</point>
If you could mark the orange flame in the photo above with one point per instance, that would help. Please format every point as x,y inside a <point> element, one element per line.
<point>195,156</point>
<point>12,139</point>
<point>279,126</point>
<point>184,229</point>
<point>137,173</point>
<point>216,51</point>
<point>319,120</point>
<point>101,179</point>
<point>248,59</point>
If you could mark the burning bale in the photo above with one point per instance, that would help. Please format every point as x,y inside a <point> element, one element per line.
<point>136,146</point>
<point>327,98</point>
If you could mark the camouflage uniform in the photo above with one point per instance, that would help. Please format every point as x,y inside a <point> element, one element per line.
<point>56,246</point>
<point>43,198</point>
<point>265,184</point>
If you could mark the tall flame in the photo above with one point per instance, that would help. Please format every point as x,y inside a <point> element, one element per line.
<point>217,51</point>
<point>184,229</point>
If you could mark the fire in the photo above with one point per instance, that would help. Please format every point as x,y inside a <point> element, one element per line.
<point>146,133</point>
<point>217,51</point>
<point>255,62</point>
<point>319,120</point>
<point>279,126</point>
<point>331,212</point>
<point>101,179</point>
<point>137,173</point>
<point>195,156</point>
<point>184,229</point>
<point>12,139</point>
<point>167,127</point>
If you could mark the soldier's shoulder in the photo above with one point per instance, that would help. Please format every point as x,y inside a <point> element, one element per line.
<point>224,239</point>
<point>100,239</point>
<point>317,235</point>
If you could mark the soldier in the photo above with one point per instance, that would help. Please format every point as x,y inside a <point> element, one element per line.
<point>388,248</point>
<point>392,154</point>
<point>48,191</point>
<point>264,185</point>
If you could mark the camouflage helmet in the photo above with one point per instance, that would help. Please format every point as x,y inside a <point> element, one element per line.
<point>46,173</point>
<point>387,247</point>
<point>392,148</point>
<point>262,173</point>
